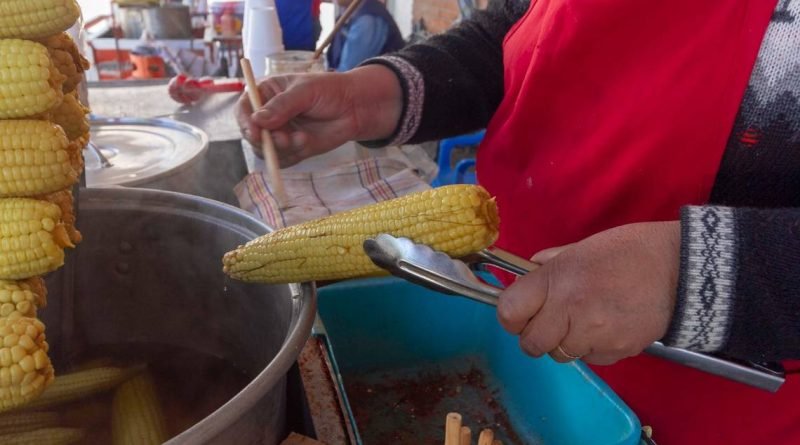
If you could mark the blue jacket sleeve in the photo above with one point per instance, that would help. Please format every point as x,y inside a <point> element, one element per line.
<point>365,38</point>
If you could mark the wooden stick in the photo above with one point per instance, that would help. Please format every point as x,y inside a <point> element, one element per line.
<point>267,146</point>
<point>337,27</point>
<point>466,436</point>
<point>486,437</point>
<point>452,431</point>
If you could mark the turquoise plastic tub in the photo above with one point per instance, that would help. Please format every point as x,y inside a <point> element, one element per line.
<point>390,329</point>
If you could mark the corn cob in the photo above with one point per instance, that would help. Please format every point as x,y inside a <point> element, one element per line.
<point>80,385</point>
<point>63,41</point>
<point>75,150</point>
<point>88,413</point>
<point>33,19</point>
<point>35,158</point>
<point>25,368</point>
<point>63,62</point>
<point>15,298</point>
<point>45,436</point>
<point>136,416</point>
<point>32,238</point>
<point>72,117</point>
<point>457,220</point>
<point>12,423</point>
<point>37,286</point>
<point>29,82</point>
<point>64,200</point>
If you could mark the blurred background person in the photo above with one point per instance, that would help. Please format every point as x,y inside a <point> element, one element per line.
<point>370,32</point>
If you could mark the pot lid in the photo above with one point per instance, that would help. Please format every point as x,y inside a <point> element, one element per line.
<point>141,150</point>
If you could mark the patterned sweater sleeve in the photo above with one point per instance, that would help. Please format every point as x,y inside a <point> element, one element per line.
<point>739,290</point>
<point>453,82</point>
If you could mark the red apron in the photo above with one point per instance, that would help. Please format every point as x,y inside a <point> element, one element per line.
<point>618,111</point>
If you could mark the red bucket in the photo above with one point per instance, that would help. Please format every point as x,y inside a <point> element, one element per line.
<point>147,66</point>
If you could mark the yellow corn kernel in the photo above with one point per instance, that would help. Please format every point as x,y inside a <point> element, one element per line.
<point>49,436</point>
<point>72,117</point>
<point>32,238</point>
<point>25,368</point>
<point>34,158</point>
<point>29,19</point>
<point>29,82</point>
<point>16,297</point>
<point>457,220</point>
<point>136,415</point>
<point>12,423</point>
<point>81,385</point>
<point>64,200</point>
<point>63,41</point>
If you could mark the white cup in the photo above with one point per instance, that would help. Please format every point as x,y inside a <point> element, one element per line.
<point>263,38</point>
<point>248,4</point>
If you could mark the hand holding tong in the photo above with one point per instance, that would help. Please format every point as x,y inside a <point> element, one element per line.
<point>422,265</point>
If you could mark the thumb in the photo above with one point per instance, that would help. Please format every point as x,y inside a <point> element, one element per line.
<point>546,255</point>
<point>284,107</point>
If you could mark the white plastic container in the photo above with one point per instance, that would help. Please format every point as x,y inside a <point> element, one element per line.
<point>262,37</point>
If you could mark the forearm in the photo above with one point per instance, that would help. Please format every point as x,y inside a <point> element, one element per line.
<point>453,83</point>
<point>376,95</point>
<point>739,291</point>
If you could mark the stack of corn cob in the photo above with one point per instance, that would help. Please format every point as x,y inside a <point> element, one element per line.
<point>43,129</point>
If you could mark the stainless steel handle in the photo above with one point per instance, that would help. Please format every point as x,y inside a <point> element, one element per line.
<point>768,381</point>
<point>506,261</point>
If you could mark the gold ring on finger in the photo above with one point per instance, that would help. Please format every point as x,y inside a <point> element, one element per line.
<point>562,356</point>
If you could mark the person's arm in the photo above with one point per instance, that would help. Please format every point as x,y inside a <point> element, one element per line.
<point>365,38</point>
<point>453,83</point>
<point>739,287</point>
<point>721,280</point>
<point>449,85</point>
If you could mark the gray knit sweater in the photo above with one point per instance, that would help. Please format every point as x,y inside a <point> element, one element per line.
<point>739,291</point>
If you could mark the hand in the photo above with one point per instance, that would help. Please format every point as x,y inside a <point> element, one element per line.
<point>309,114</point>
<point>602,299</point>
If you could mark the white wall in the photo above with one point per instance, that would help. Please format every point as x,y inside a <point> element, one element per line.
<point>403,13</point>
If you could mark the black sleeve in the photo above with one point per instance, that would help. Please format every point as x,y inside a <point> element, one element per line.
<point>453,82</point>
<point>739,292</point>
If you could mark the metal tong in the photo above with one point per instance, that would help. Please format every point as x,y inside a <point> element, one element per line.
<point>422,265</point>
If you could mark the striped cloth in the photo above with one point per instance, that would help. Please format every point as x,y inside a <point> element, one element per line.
<point>321,193</point>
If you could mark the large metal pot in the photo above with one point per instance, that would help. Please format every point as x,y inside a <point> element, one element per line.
<point>149,271</point>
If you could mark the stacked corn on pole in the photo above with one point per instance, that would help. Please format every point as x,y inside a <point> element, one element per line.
<point>43,129</point>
